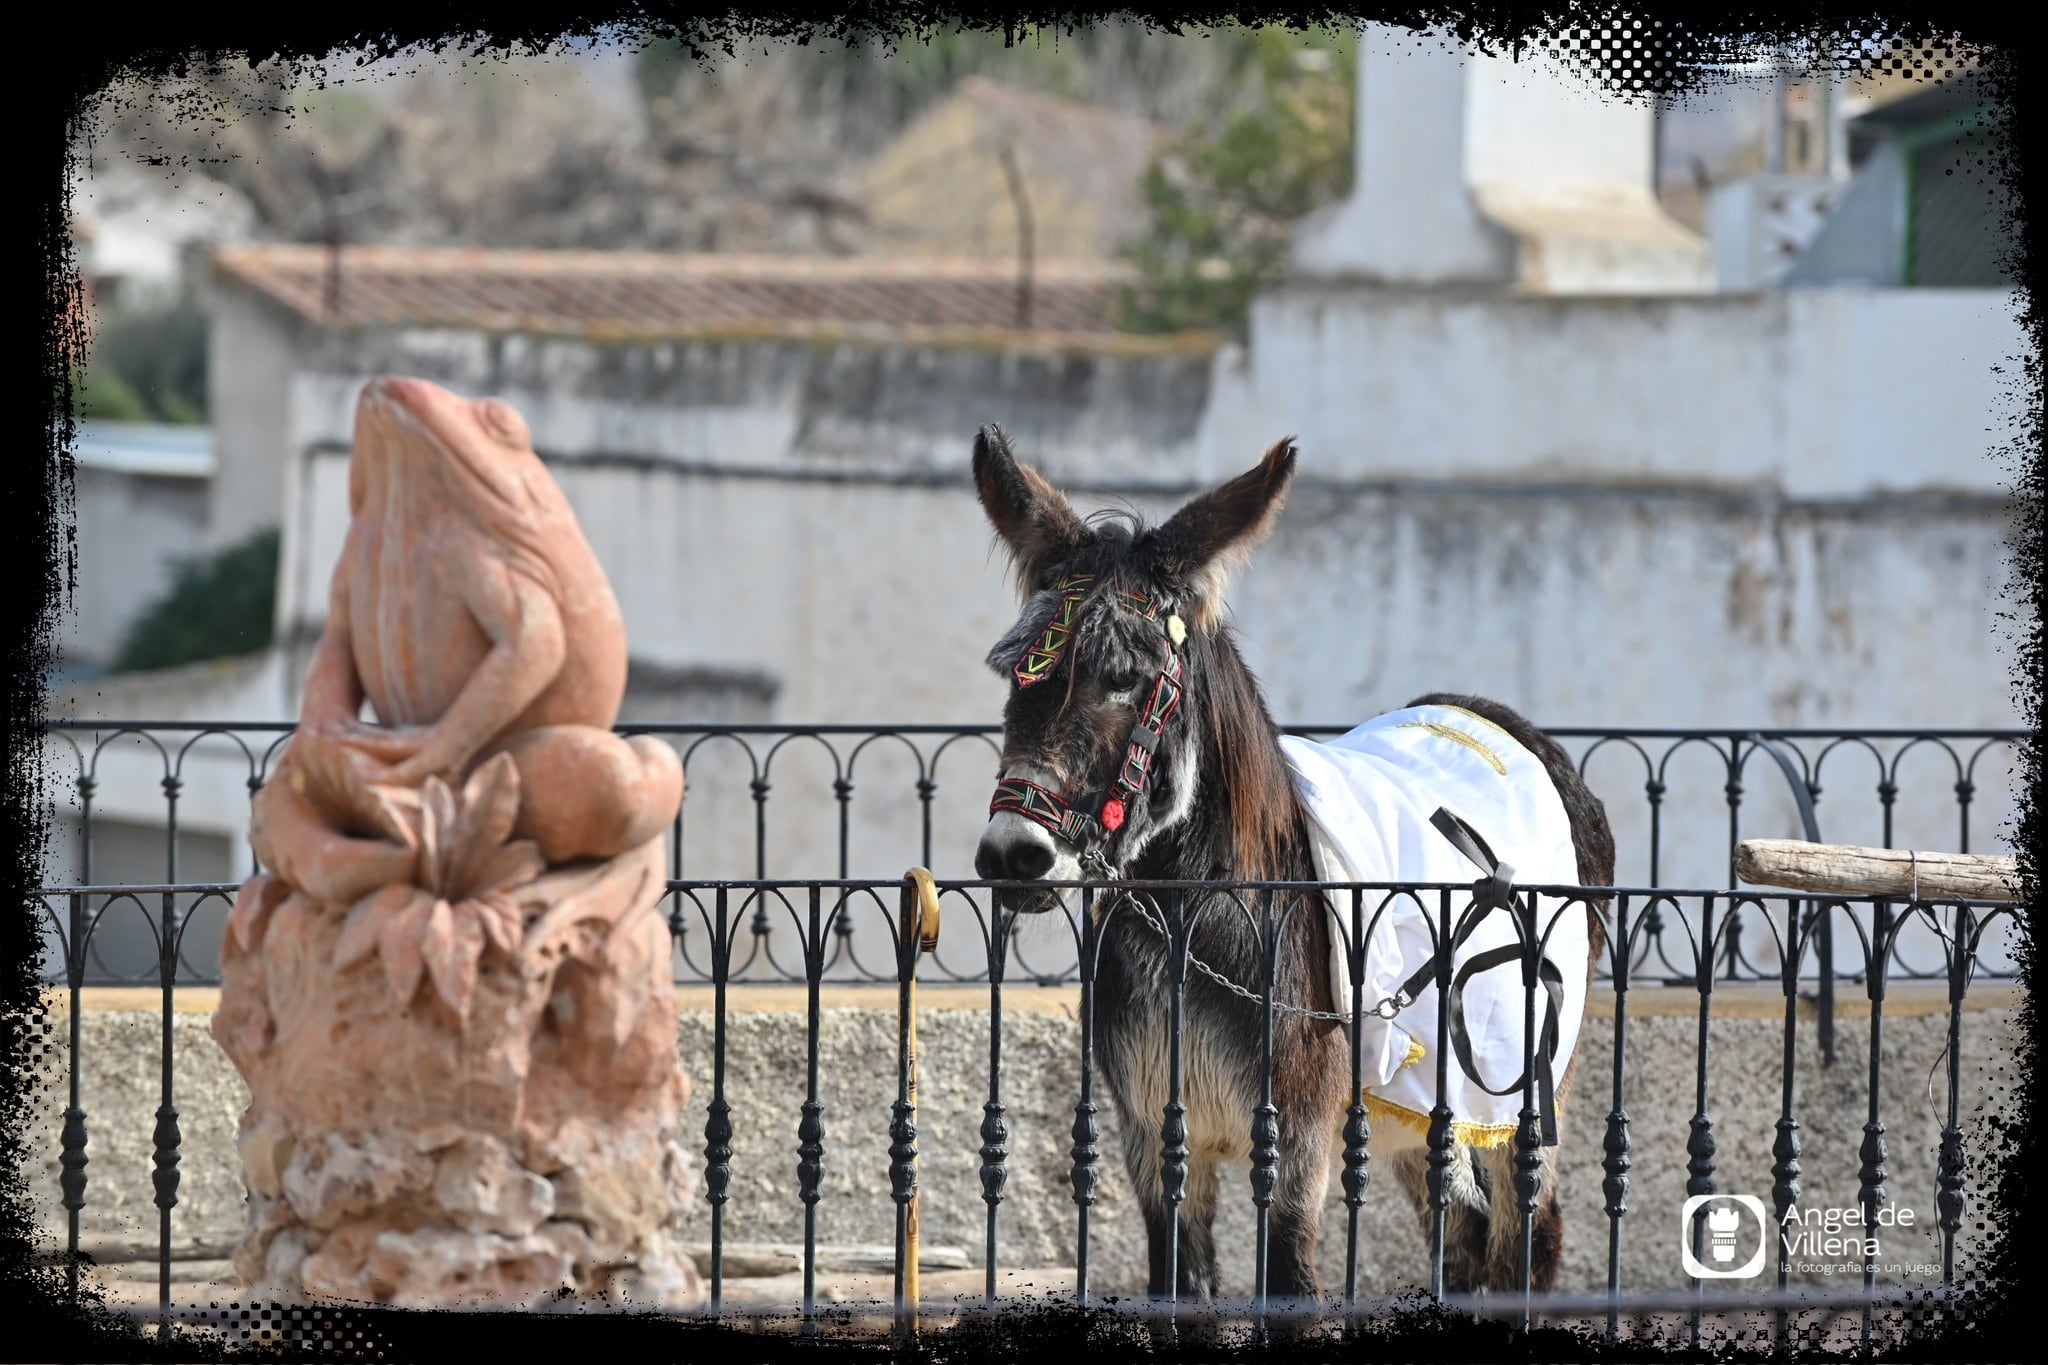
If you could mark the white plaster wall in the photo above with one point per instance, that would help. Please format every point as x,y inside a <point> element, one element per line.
<point>876,603</point>
<point>252,348</point>
<point>1410,218</point>
<point>861,600</point>
<point>1534,123</point>
<point>1474,169</point>
<point>1815,393</point>
<point>834,410</point>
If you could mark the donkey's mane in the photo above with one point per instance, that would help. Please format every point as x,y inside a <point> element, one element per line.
<point>1239,739</point>
<point>1244,759</point>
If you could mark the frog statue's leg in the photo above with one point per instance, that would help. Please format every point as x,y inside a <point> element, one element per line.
<point>335,856</point>
<point>528,644</point>
<point>598,795</point>
<point>603,794</point>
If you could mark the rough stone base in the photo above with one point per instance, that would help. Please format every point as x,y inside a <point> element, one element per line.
<point>519,1141</point>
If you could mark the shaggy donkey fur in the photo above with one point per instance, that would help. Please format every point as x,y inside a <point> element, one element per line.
<point>1220,803</point>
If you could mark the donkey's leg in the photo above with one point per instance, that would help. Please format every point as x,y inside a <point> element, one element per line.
<point>1547,1256</point>
<point>1504,1242</point>
<point>1467,1213</point>
<point>1189,1230</point>
<point>1141,1163</point>
<point>1190,1233</point>
<point>1198,1271</point>
<point>1302,1183</point>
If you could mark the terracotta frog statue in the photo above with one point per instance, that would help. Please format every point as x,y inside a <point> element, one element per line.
<point>470,611</point>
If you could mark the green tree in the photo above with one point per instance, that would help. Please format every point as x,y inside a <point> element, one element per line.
<point>103,395</point>
<point>218,605</point>
<point>1222,198</point>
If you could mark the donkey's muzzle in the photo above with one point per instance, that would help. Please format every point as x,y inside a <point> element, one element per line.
<point>1013,860</point>
<point>1013,850</point>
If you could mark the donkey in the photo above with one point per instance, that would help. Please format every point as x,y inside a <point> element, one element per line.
<point>1136,612</point>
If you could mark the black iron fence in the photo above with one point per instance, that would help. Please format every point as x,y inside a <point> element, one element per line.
<point>152,803</point>
<point>1686,928</point>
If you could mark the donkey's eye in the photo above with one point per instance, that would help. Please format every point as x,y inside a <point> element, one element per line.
<point>1120,686</point>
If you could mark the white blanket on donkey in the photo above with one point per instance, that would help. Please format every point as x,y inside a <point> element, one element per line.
<point>1369,795</point>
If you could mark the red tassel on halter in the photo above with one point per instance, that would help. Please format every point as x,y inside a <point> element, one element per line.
<point>1112,815</point>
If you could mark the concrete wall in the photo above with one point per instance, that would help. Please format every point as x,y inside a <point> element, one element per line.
<point>252,346</point>
<point>765,1070</point>
<point>1821,393</point>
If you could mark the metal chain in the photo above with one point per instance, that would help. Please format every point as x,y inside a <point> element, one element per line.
<point>1385,1009</point>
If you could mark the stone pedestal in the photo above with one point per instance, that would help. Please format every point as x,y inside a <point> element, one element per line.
<point>464,1087</point>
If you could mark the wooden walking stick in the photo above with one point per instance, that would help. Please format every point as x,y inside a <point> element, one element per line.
<point>918,933</point>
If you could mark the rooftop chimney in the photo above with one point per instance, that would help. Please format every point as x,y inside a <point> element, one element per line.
<point>1480,170</point>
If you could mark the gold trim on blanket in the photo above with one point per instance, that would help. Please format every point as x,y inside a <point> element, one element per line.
<point>1484,721</point>
<point>1380,1109</point>
<point>1457,736</point>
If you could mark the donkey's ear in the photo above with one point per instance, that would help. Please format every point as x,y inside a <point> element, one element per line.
<point>1034,519</point>
<point>1212,536</point>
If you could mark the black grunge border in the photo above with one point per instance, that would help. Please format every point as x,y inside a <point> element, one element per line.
<point>58,76</point>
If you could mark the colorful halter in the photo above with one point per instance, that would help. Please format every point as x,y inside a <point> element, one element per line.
<point>1036,664</point>
<point>1043,806</point>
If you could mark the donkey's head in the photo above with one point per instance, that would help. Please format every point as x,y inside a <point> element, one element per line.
<point>1116,666</point>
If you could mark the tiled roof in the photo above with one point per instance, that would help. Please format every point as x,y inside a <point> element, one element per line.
<point>599,292</point>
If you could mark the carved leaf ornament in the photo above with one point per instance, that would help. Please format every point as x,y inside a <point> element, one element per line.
<point>458,905</point>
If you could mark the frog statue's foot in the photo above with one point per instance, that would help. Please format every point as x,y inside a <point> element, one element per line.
<point>322,828</point>
<point>328,825</point>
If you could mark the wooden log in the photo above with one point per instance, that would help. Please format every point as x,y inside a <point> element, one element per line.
<point>1852,870</point>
